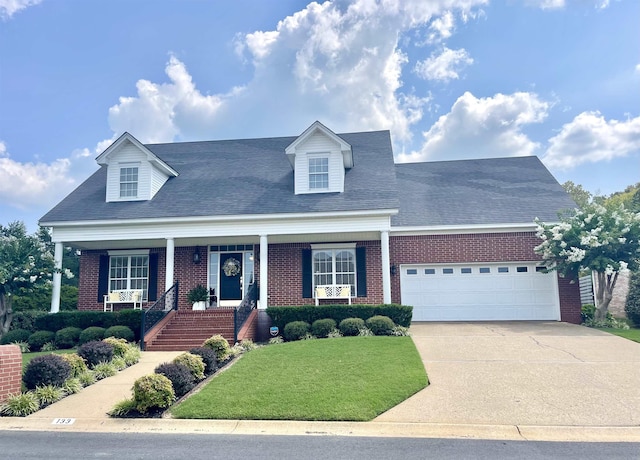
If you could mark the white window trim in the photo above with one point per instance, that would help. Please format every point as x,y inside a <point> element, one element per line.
<point>129,255</point>
<point>122,166</point>
<point>314,156</point>
<point>333,246</point>
<point>128,252</point>
<point>337,247</point>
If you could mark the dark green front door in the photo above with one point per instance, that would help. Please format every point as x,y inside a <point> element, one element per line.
<point>231,276</point>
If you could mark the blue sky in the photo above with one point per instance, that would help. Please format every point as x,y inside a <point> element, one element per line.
<point>450,79</point>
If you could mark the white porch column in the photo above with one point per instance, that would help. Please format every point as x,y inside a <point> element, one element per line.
<point>57,278</point>
<point>386,266</point>
<point>170,259</point>
<point>264,272</point>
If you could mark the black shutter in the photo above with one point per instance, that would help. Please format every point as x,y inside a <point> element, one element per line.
<point>103,278</point>
<point>307,274</point>
<point>153,277</point>
<point>361,270</point>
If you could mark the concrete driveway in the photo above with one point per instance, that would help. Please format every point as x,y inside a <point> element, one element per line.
<point>523,373</point>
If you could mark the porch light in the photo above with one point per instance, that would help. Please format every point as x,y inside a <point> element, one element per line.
<point>196,256</point>
<point>394,270</point>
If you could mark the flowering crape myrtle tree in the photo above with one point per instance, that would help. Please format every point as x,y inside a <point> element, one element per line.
<point>606,241</point>
<point>25,263</point>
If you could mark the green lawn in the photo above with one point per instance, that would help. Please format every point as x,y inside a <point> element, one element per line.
<point>350,378</point>
<point>631,334</point>
<point>26,357</point>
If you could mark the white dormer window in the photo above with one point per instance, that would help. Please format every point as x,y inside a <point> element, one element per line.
<point>129,182</point>
<point>319,173</point>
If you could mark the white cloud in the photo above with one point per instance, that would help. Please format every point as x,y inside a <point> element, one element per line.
<point>483,127</point>
<point>547,4</point>
<point>441,28</point>
<point>589,138</point>
<point>444,66</point>
<point>10,7</point>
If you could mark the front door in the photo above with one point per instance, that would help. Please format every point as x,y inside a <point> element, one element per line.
<point>230,278</point>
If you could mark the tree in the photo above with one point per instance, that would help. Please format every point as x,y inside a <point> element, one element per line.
<point>581,196</point>
<point>25,263</point>
<point>601,239</point>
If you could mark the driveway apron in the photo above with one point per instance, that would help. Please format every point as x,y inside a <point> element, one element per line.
<point>523,373</point>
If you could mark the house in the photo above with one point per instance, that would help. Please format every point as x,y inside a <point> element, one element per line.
<point>454,239</point>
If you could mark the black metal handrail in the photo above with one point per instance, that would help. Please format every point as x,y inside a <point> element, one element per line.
<point>242,311</point>
<point>154,314</point>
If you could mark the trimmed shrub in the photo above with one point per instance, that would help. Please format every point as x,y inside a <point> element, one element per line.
<point>132,319</point>
<point>39,338</point>
<point>120,346</point>
<point>322,327</point>
<point>68,337</point>
<point>81,319</point>
<point>16,335</point>
<point>20,405</point>
<point>120,332</point>
<point>280,316</point>
<point>208,358</point>
<point>194,363</point>
<point>380,325</point>
<point>181,377</point>
<point>95,352</point>
<point>77,363</point>
<point>26,319</point>
<point>351,326</point>
<point>296,330</point>
<point>632,307</point>
<point>152,392</point>
<point>219,345</point>
<point>91,334</point>
<point>46,370</point>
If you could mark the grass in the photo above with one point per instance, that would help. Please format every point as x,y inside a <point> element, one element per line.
<point>631,334</point>
<point>26,357</point>
<point>350,378</point>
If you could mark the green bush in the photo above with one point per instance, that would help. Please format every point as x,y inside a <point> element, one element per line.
<point>77,363</point>
<point>68,337</point>
<point>16,335</point>
<point>39,338</point>
<point>181,377</point>
<point>280,316</point>
<point>104,369</point>
<point>48,394</point>
<point>26,320</point>
<point>95,352</point>
<point>46,370</point>
<point>40,299</point>
<point>380,325</point>
<point>20,405</point>
<point>322,327</point>
<point>81,319</point>
<point>120,332</point>
<point>72,386</point>
<point>632,307</point>
<point>194,363</point>
<point>132,319</point>
<point>296,330</point>
<point>120,346</point>
<point>208,358</point>
<point>91,334</point>
<point>219,345</point>
<point>351,326</point>
<point>152,392</point>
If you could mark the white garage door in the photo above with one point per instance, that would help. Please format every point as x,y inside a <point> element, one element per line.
<point>479,292</point>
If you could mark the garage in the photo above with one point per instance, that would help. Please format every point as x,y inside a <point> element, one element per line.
<point>479,292</point>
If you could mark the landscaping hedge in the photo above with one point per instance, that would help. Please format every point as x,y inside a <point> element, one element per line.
<point>280,316</point>
<point>84,319</point>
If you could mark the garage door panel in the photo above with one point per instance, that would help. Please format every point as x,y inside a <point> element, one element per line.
<point>479,292</point>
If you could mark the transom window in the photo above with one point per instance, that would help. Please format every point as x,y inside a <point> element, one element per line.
<point>129,272</point>
<point>129,182</point>
<point>319,173</point>
<point>334,266</point>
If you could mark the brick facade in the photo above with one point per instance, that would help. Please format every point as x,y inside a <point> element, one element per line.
<point>10,371</point>
<point>285,267</point>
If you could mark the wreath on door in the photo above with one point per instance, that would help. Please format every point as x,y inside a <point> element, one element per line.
<point>231,267</point>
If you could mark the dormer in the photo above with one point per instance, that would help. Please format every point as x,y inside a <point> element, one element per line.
<point>134,173</point>
<point>319,158</point>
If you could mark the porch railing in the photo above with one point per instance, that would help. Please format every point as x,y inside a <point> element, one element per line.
<point>154,314</point>
<point>242,311</point>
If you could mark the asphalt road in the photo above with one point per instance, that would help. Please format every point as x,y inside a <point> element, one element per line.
<point>58,445</point>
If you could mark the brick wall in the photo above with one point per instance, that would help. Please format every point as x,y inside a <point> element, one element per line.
<point>487,247</point>
<point>10,371</point>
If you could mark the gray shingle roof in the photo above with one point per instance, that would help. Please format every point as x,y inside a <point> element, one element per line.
<point>488,191</point>
<point>248,176</point>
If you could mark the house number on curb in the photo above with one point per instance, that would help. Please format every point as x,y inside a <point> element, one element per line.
<point>63,421</point>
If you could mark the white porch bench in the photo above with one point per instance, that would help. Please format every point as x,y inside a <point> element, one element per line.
<point>333,291</point>
<point>120,296</point>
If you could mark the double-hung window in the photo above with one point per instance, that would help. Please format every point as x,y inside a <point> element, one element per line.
<point>129,182</point>
<point>318,173</point>
<point>334,266</point>
<point>129,272</point>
